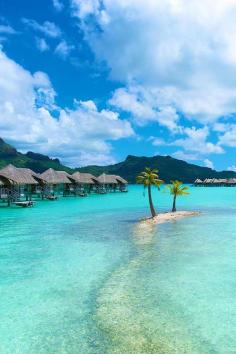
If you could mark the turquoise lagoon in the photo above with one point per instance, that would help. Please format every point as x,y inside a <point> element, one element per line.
<point>78,276</point>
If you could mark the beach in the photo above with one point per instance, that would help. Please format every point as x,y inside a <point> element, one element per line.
<point>168,216</point>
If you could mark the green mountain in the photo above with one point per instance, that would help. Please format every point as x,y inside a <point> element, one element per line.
<point>169,168</point>
<point>36,162</point>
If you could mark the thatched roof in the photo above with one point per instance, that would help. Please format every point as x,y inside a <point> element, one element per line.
<point>56,177</point>
<point>207,180</point>
<point>5,181</point>
<point>121,180</point>
<point>231,181</point>
<point>107,179</point>
<point>198,180</point>
<point>215,180</point>
<point>19,175</point>
<point>85,178</point>
<point>222,180</point>
<point>66,176</point>
<point>111,179</point>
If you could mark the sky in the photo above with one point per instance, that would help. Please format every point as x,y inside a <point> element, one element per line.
<point>92,81</point>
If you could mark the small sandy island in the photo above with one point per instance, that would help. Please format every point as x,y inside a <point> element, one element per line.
<point>164,217</point>
<point>145,229</point>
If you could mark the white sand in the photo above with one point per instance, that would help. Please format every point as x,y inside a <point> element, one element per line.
<point>164,217</point>
<point>145,230</point>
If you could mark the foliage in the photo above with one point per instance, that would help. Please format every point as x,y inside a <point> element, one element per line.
<point>176,188</point>
<point>170,169</point>
<point>36,162</point>
<point>149,177</point>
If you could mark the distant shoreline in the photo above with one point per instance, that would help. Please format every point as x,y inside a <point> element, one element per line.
<point>168,216</point>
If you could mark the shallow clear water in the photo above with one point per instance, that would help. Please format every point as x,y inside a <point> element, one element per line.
<point>78,276</point>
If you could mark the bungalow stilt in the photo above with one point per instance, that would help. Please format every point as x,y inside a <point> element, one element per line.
<point>18,183</point>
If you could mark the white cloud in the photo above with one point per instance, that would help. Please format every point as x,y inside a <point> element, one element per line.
<point>48,28</point>
<point>181,155</point>
<point>58,5</point>
<point>195,140</point>
<point>174,61</point>
<point>229,137</point>
<point>6,29</point>
<point>83,8</point>
<point>129,101</point>
<point>81,135</point>
<point>42,45</point>
<point>145,107</point>
<point>181,53</point>
<point>157,141</point>
<point>64,49</point>
<point>220,127</point>
<point>194,143</point>
<point>208,163</point>
<point>231,168</point>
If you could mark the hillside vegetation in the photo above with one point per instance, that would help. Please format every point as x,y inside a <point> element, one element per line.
<point>169,167</point>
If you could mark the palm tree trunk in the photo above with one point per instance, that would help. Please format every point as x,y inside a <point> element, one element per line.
<point>153,211</point>
<point>174,205</point>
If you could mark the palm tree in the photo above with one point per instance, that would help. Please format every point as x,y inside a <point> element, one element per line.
<point>150,178</point>
<point>177,188</point>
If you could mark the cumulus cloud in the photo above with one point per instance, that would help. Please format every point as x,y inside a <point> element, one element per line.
<point>175,60</point>
<point>194,143</point>
<point>58,5</point>
<point>228,138</point>
<point>48,28</point>
<point>231,168</point>
<point>63,49</point>
<point>182,155</point>
<point>78,136</point>
<point>156,141</point>
<point>83,9</point>
<point>6,29</point>
<point>196,140</point>
<point>42,44</point>
<point>145,107</point>
<point>189,55</point>
<point>208,163</point>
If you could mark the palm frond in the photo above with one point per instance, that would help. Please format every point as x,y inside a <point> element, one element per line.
<point>177,188</point>
<point>149,177</point>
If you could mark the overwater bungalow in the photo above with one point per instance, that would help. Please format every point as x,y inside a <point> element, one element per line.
<point>198,182</point>
<point>86,182</point>
<point>122,183</point>
<point>57,182</point>
<point>216,182</point>
<point>207,182</point>
<point>18,183</point>
<point>222,181</point>
<point>4,191</point>
<point>22,184</point>
<point>231,182</point>
<point>69,183</point>
<point>112,182</point>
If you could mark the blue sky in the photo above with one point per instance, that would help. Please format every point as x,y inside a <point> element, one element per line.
<point>93,81</point>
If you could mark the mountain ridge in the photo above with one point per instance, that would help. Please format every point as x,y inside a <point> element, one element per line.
<point>169,167</point>
<point>36,162</point>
